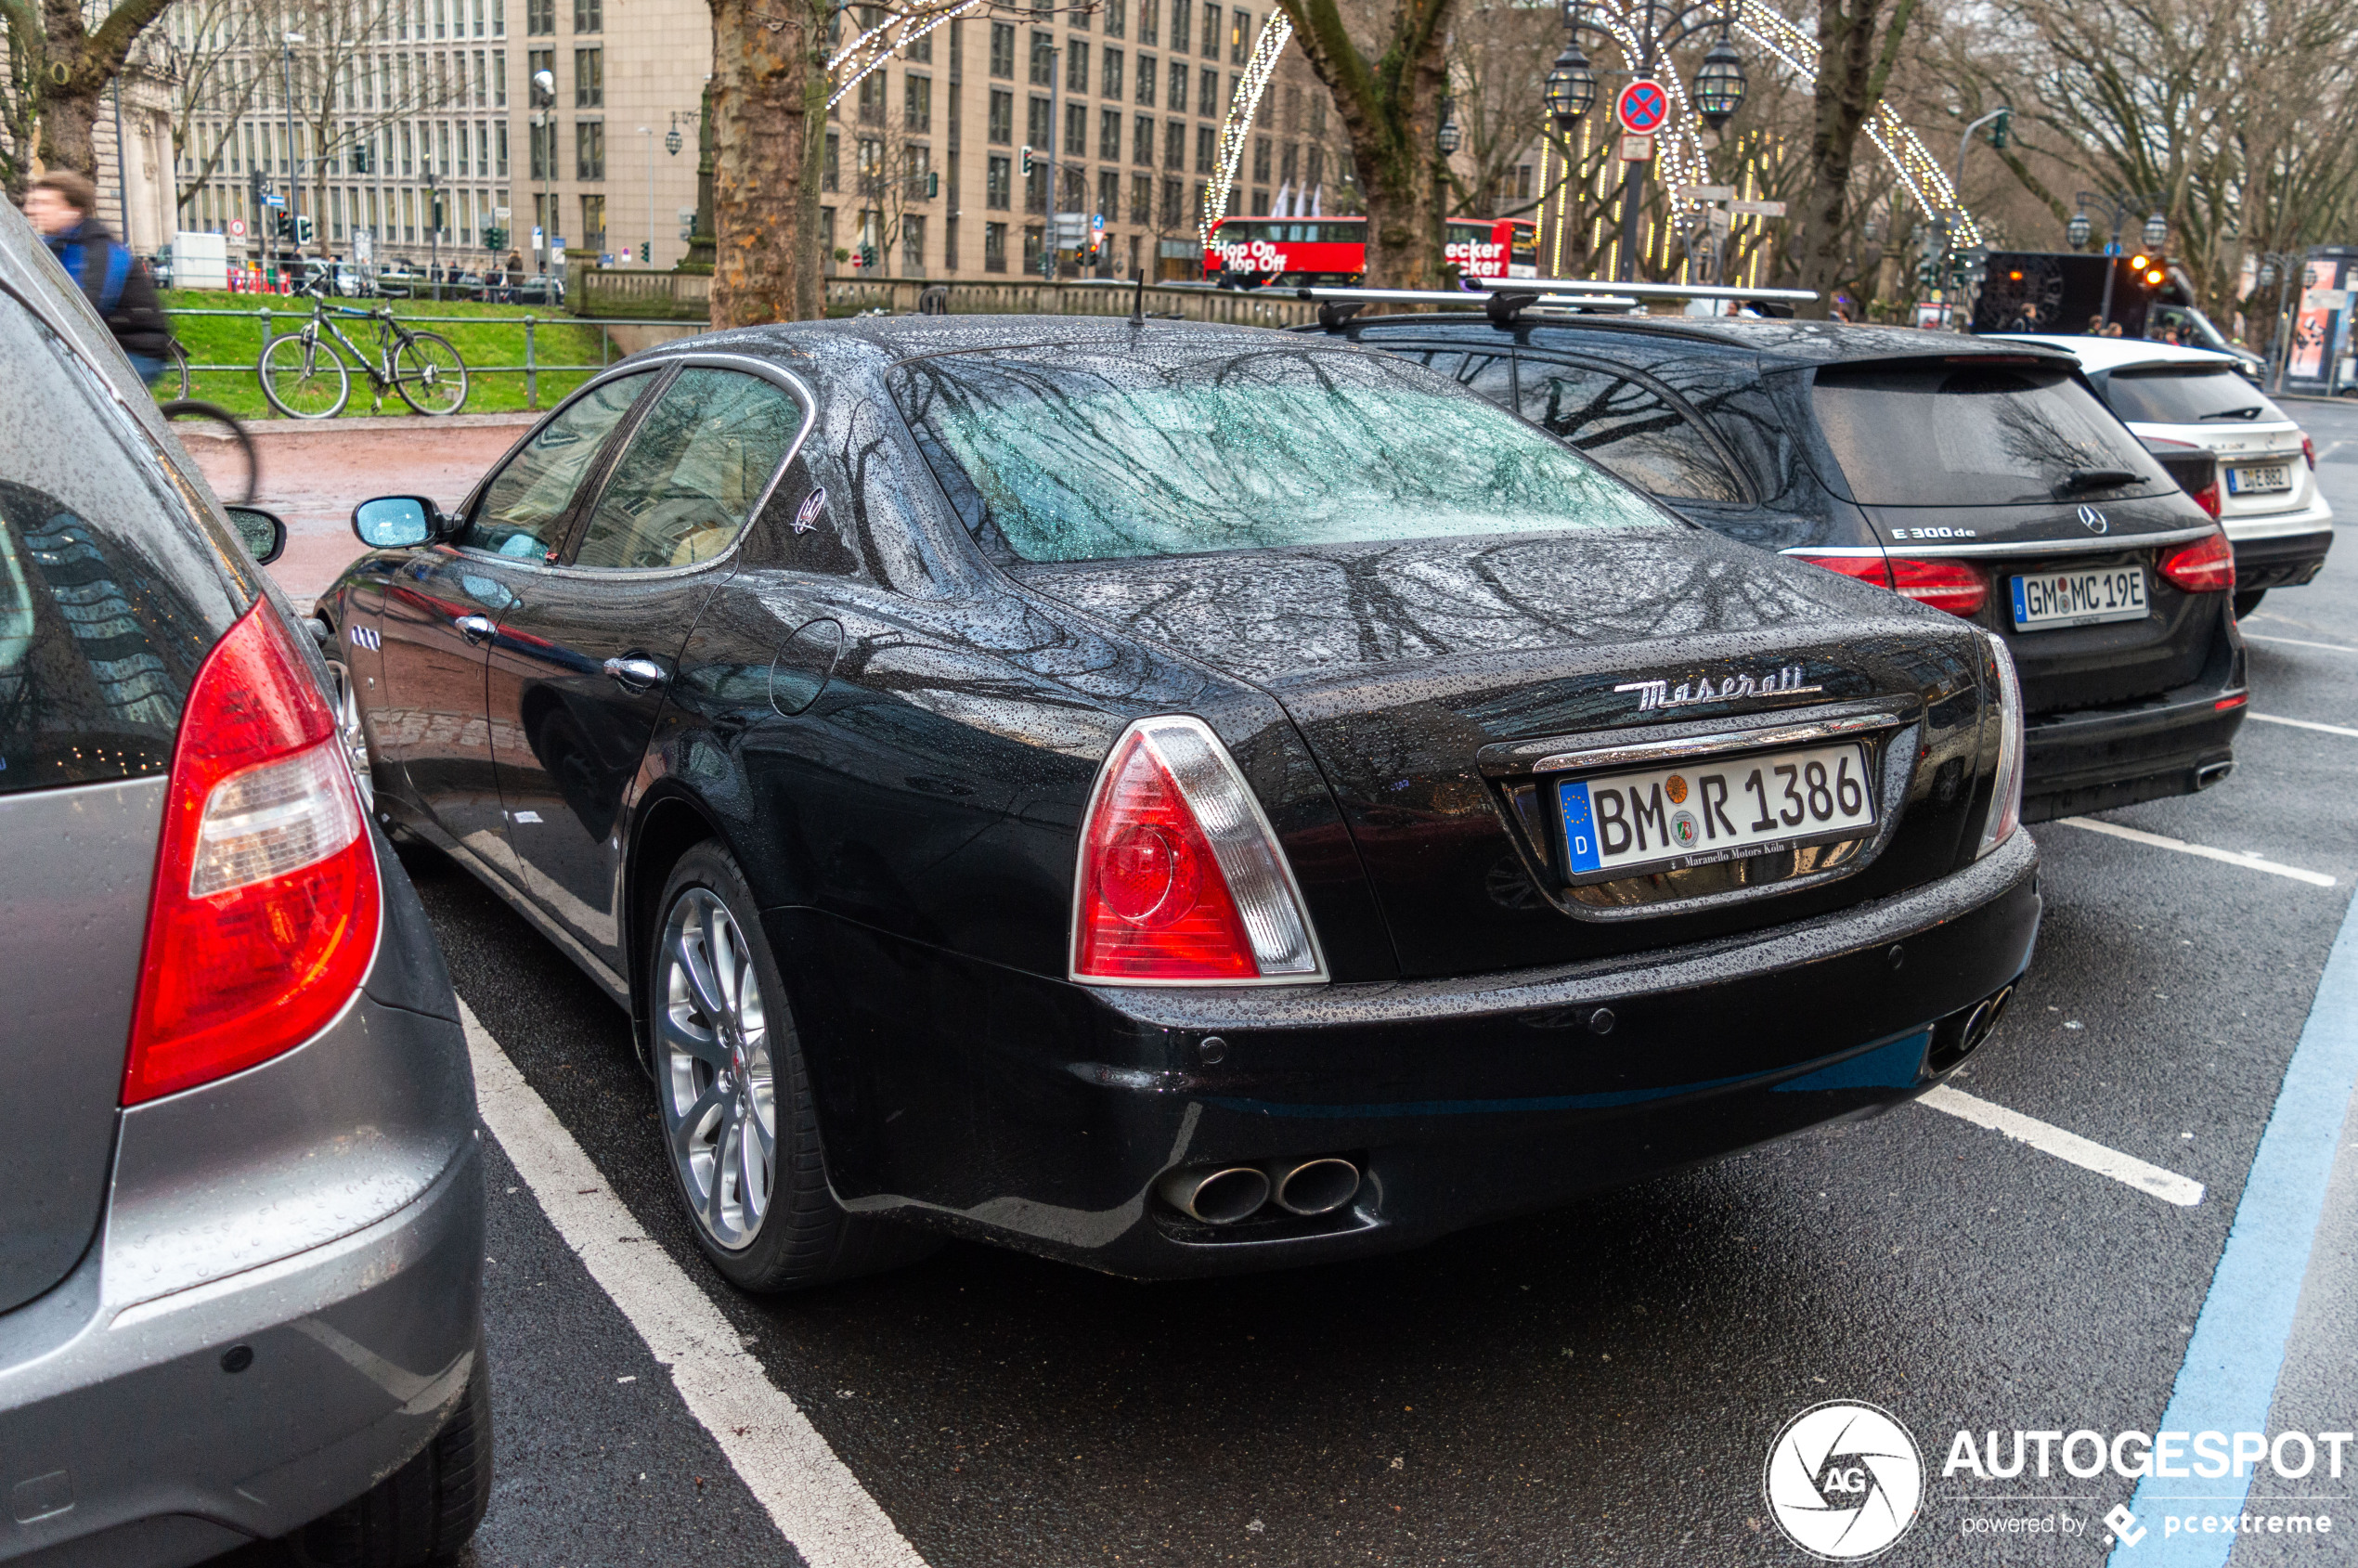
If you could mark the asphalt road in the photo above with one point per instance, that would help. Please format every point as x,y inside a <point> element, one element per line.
<point>1600,1385</point>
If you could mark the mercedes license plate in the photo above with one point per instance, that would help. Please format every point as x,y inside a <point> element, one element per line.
<point>2055,599</point>
<point>1714,809</point>
<point>2259,479</point>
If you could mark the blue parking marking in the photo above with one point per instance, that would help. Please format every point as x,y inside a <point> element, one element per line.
<point>1580,827</point>
<point>2228,1380</point>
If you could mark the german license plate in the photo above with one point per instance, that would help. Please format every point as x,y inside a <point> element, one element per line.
<point>2258,479</point>
<point>2062,599</point>
<point>1714,809</point>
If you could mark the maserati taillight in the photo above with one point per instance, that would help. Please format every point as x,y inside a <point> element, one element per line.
<point>2005,792</point>
<point>264,915</point>
<point>1181,879</point>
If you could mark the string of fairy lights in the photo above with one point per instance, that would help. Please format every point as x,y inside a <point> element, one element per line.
<point>1680,157</point>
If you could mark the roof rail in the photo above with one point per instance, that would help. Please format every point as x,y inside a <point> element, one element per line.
<point>1503,299</point>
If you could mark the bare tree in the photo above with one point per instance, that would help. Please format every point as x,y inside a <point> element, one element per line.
<point>1858,47</point>
<point>216,72</point>
<point>61,57</point>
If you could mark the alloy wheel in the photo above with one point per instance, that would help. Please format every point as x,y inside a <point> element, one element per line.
<point>717,1085</point>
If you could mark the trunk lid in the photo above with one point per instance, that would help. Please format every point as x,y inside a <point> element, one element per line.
<point>1435,681</point>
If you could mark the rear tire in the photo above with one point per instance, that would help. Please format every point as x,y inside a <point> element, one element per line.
<point>421,1514</point>
<point>2246,602</point>
<point>429,374</point>
<point>730,1077</point>
<point>304,378</point>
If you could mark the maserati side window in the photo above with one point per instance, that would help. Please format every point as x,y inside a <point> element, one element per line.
<point>523,512</point>
<point>693,473</point>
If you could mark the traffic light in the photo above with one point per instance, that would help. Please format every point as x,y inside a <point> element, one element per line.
<point>1025,167</point>
<point>869,260</point>
<point>361,156</point>
<point>494,238</point>
<point>933,184</point>
<point>646,251</point>
<point>2000,129</point>
<point>304,230</point>
<point>438,221</point>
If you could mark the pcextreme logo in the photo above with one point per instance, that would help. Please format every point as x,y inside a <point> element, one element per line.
<point>1843,1480</point>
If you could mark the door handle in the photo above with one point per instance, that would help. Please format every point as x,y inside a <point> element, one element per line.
<point>477,628</point>
<point>635,674</point>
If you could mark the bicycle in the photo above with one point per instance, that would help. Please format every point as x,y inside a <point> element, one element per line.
<point>228,460</point>
<point>304,377</point>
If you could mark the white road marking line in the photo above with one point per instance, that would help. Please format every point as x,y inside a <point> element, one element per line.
<point>2305,724</point>
<point>2232,857</point>
<point>2298,643</point>
<point>813,1498</point>
<point>2167,1185</point>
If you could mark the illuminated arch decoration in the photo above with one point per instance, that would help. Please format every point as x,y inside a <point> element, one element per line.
<point>1679,150</point>
<point>878,44</point>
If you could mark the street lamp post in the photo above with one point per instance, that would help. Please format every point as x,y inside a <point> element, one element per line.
<point>294,180</point>
<point>2120,209</point>
<point>433,234</point>
<point>2278,267</point>
<point>2001,119</point>
<point>1657,28</point>
<point>544,98</point>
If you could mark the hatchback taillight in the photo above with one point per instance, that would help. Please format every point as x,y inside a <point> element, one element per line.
<point>2309,453</point>
<point>1953,586</point>
<point>2207,565</point>
<point>264,915</point>
<point>1181,879</point>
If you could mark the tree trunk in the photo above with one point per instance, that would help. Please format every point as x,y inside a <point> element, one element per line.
<point>769,108</point>
<point>1390,111</point>
<point>1852,71</point>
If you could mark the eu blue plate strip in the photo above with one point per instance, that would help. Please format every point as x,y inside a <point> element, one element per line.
<point>2228,1380</point>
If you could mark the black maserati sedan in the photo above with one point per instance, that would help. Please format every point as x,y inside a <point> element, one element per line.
<point>1983,477</point>
<point>1177,799</point>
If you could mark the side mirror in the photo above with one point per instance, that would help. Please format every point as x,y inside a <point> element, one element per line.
<point>261,532</point>
<point>394,522</point>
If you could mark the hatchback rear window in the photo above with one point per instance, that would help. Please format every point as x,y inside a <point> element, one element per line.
<point>106,604</point>
<point>2204,394</point>
<point>1975,434</point>
<point>1070,454</point>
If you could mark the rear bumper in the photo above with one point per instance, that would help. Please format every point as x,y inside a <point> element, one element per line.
<point>2075,763</point>
<point>325,1212</point>
<point>1039,1114</point>
<point>2317,516</point>
<point>2280,560</point>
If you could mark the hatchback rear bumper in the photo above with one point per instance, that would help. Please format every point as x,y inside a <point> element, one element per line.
<point>2280,560</point>
<point>1462,1101</point>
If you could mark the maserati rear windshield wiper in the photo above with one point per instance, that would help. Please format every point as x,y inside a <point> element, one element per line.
<point>2080,479</point>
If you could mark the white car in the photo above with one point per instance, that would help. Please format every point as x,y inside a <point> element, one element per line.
<point>2267,500</point>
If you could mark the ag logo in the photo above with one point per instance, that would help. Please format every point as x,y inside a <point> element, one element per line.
<point>1843,1481</point>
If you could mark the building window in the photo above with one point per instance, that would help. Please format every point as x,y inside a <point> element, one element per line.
<point>499,78</point>
<point>1146,13</point>
<point>1146,81</point>
<point>589,16</point>
<point>1109,136</point>
<point>1288,166</point>
<point>1076,63</point>
<point>917,103</point>
<point>409,159</point>
<point>590,150</point>
<point>912,246</point>
<point>588,79</point>
<point>827,240</point>
<point>1203,150</point>
<point>1523,182</point>
<point>540,18</point>
<point>831,163</point>
<point>994,247</point>
<point>1182,28</point>
<point>1142,145</point>
<point>998,182</point>
<point>1109,84</point>
<point>1075,130</point>
<point>1211,31</point>
<point>1176,99</point>
<point>1035,188</point>
<point>1044,59</point>
<point>950,244</point>
<point>872,97</point>
<point>1259,199</point>
<point>500,146</point>
<point>1173,196</point>
<point>1261,160</point>
<point>1115,18</point>
<point>920,50</point>
<point>1032,237</point>
<point>1003,49</point>
<point>1039,128</point>
<point>593,223</point>
<point>1316,164</point>
<point>1002,128</point>
<point>870,156</point>
<point>1208,92</point>
<point>1142,199</point>
<point>1240,36</point>
<point>1110,195</point>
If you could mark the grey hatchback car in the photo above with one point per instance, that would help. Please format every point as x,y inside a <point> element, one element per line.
<point>241,1201</point>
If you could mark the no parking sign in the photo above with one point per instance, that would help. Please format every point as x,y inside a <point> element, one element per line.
<point>1643,107</point>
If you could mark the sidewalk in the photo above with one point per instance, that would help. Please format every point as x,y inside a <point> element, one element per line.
<point>313,475</point>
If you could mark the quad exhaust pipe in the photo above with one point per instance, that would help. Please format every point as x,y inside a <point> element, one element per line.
<point>1223,1195</point>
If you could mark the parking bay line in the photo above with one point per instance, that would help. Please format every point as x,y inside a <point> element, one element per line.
<point>2231,857</point>
<point>2167,1185</point>
<point>2298,642</point>
<point>816,1502</point>
<point>2236,1353</point>
<point>2305,724</point>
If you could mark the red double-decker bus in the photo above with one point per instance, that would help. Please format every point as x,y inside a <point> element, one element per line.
<point>1255,252</point>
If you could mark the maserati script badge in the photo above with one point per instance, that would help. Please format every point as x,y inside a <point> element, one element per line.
<point>807,516</point>
<point>1785,682</point>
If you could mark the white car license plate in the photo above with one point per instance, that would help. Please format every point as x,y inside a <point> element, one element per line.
<point>1715,809</point>
<point>2259,480</point>
<point>2062,599</point>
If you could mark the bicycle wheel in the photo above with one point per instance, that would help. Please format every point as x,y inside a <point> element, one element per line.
<point>176,369</point>
<point>224,452</point>
<point>429,374</point>
<point>304,378</point>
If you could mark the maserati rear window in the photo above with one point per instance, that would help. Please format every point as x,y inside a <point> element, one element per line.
<point>1945,434</point>
<point>2207,395</point>
<point>1073,454</point>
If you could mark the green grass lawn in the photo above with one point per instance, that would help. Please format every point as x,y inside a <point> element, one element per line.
<point>486,335</point>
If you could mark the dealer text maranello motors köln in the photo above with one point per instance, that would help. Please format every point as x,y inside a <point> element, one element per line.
<point>2209,1456</point>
